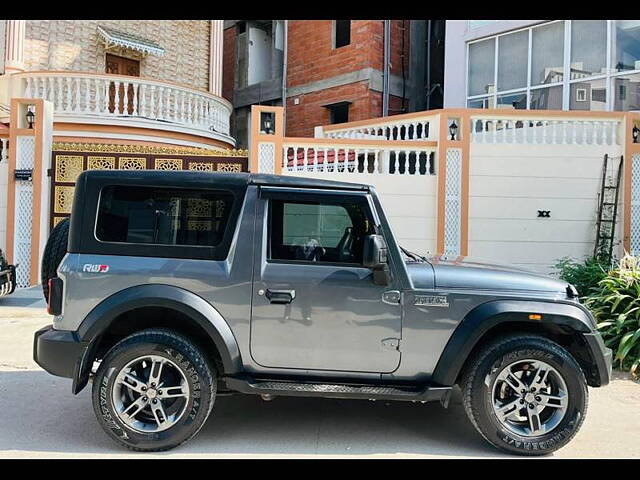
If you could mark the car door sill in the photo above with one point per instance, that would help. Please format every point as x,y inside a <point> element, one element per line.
<point>416,393</point>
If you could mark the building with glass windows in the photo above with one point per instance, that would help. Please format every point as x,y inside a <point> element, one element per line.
<point>591,65</point>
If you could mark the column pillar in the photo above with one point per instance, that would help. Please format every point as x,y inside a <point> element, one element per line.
<point>14,47</point>
<point>215,57</point>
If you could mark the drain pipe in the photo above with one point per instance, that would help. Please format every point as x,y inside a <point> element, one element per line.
<point>385,71</point>
<point>428,62</point>
<point>284,77</point>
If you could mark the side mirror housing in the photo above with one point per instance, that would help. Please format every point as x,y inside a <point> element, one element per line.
<point>375,257</point>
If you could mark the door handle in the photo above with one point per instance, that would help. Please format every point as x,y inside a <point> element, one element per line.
<point>280,296</point>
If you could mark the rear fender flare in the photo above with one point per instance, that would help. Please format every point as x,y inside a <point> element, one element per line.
<point>150,295</point>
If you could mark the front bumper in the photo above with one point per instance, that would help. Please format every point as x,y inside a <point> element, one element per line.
<point>7,280</point>
<point>603,358</point>
<point>59,352</point>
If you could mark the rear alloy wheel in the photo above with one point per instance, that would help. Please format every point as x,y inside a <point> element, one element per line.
<point>153,390</point>
<point>525,394</point>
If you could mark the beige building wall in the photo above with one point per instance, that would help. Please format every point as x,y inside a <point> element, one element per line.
<point>76,45</point>
<point>508,185</point>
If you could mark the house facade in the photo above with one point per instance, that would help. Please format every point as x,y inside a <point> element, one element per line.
<point>331,71</point>
<point>573,65</point>
<point>92,94</point>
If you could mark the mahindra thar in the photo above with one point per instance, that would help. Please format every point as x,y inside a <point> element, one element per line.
<point>170,288</point>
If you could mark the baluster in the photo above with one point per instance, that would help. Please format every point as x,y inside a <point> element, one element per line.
<point>116,101</point>
<point>554,132</point>
<point>525,131</point>
<point>167,104</point>
<point>87,96</point>
<point>603,133</point>
<point>27,90</point>
<point>161,105</point>
<point>189,98</point>
<point>564,132</point>
<point>175,106</point>
<point>105,91</point>
<point>152,101</point>
<point>96,102</point>
<point>125,98</point>
<point>545,133</point>
<point>142,100</point>
<point>182,109</point>
<point>614,133</point>
<point>575,132</point>
<point>135,98</point>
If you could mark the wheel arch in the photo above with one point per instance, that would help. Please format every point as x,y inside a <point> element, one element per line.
<point>566,324</point>
<point>185,312</point>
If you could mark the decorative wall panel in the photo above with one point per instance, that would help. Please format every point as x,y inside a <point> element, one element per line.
<point>452,215</point>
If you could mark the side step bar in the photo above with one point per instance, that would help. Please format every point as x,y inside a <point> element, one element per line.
<point>327,390</point>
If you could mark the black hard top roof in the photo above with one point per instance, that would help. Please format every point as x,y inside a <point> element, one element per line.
<point>186,178</point>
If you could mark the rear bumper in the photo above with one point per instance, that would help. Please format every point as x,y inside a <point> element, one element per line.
<point>59,352</point>
<point>603,358</point>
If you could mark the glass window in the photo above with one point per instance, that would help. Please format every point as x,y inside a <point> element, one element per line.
<point>627,45</point>
<point>318,231</point>
<point>588,48</point>
<point>547,54</point>
<point>485,102</point>
<point>546,98</point>
<point>514,101</point>
<point>512,60</point>
<point>626,92</point>
<point>481,67</point>
<point>162,216</point>
<point>588,95</point>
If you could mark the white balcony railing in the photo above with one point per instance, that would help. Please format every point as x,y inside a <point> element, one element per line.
<point>342,158</point>
<point>388,128</point>
<point>76,94</point>
<point>551,130</point>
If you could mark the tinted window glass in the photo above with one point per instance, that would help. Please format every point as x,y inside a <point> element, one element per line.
<point>163,216</point>
<point>318,232</point>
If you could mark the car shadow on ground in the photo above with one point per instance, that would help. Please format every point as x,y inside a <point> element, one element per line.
<point>38,413</point>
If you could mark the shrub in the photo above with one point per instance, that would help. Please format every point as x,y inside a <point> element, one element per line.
<point>615,303</point>
<point>584,276</point>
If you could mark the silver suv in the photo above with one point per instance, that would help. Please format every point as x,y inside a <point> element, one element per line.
<point>169,288</point>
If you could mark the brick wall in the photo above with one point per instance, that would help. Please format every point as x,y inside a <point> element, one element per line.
<point>229,62</point>
<point>311,58</point>
<point>76,45</point>
<point>309,113</point>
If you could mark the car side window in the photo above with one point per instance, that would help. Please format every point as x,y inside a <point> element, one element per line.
<point>318,231</point>
<point>162,216</point>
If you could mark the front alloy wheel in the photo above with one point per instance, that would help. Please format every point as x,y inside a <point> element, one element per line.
<point>525,394</point>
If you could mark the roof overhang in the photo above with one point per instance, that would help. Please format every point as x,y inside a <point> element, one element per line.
<point>116,38</point>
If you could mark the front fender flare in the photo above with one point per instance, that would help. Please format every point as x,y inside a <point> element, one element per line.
<point>487,315</point>
<point>155,295</point>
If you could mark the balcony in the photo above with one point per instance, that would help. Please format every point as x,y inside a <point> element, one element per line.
<point>88,98</point>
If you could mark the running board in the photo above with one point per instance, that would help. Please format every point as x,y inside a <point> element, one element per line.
<point>332,390</point>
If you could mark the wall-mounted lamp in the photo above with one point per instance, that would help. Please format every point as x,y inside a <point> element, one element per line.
<point>31,116</point>
<point>635,133</point>
<point>266,122</point>
<point>453,130</point>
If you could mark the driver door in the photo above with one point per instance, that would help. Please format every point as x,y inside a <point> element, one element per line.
<point>314,305</point>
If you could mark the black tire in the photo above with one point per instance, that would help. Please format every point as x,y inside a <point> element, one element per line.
<point>200,376</point>
<point>480,375</point>
<point>54,252</point>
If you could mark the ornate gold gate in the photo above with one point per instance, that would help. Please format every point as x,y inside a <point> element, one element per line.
<point>71,159</point>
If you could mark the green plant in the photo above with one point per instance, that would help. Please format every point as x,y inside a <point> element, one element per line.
<point>584,276</point>
<point>615,303</point>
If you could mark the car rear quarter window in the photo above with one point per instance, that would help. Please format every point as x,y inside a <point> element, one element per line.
<point>163,216</point>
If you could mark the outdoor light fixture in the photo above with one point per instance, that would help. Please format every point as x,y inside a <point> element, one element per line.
<point>267,123</point>
<point>30,117</point>
<point>635,133</point>
<point>453,129</point>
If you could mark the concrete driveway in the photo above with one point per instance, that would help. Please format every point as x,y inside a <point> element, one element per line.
<point>39,417</point>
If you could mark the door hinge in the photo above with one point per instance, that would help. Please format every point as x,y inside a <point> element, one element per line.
<point>391,297</point>
<point>391,343</point>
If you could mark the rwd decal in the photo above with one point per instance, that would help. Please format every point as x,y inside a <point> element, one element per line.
<point>94,268</point>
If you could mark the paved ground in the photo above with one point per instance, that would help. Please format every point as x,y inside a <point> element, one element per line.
<point>39,417</point>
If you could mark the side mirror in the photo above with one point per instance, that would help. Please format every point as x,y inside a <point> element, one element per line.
<point>375,257</point>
